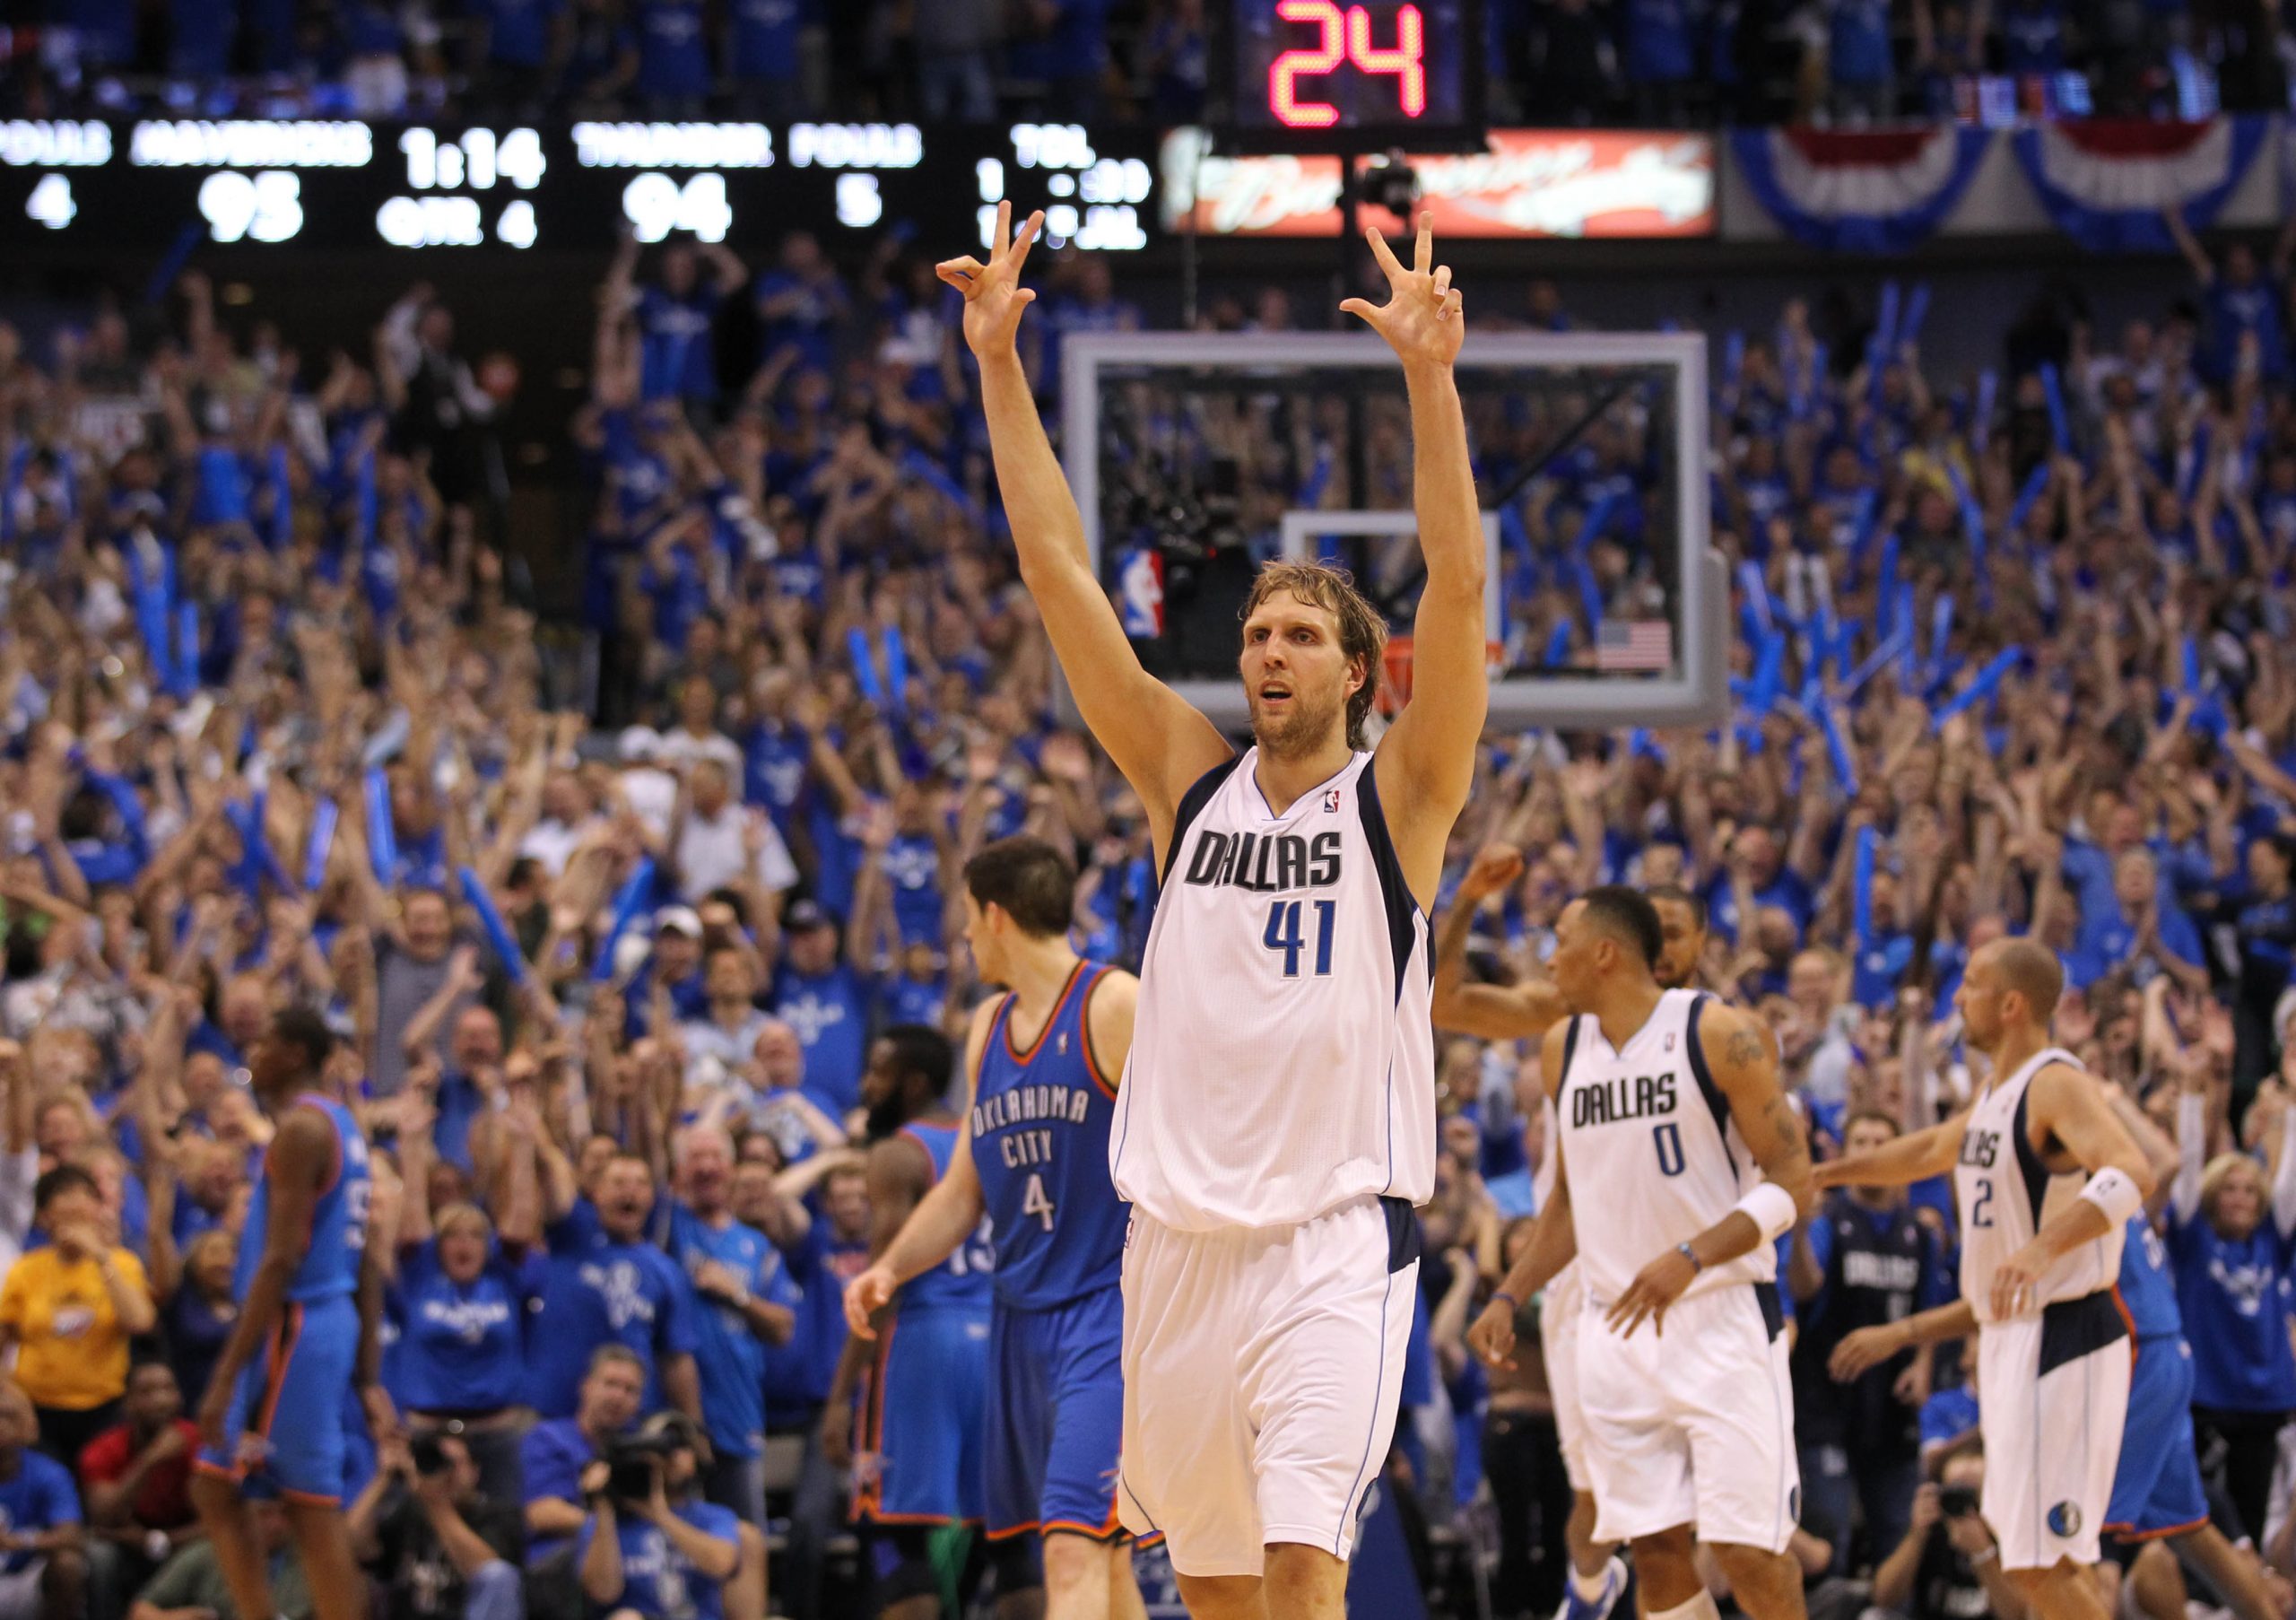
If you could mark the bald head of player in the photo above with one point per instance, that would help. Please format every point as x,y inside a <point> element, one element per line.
<point>2009,991</point>
<point>1681,923</point>
<point>1311,660</point>
<point>1607,943</point>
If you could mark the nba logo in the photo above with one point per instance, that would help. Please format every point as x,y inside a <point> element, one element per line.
<point>1670,1043</point>
<point>1140,592</point>
<point>1061,1045</point>
<point>1331,801</point>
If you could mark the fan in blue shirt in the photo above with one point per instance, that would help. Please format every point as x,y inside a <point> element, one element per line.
<point>742,1300</point>
<point>672,1553</point>
<point>604,1283</point>
<point>40,1505</point>
<point>2231,1240</point>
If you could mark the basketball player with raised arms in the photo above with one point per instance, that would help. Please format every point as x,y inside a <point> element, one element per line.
<point>1033,1154</point>
<point>1526,1011</point>
<point>1275,1124</point>
<point>2046,1178</point>
<point>1667,1103</point>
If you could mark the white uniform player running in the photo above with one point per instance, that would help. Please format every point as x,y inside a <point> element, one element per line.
<point>1276,1121</point>
<point>1672,1121</point>
<point>2046,1178</point>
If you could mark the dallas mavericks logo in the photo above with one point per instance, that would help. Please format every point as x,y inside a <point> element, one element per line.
<point>2065,1520</point>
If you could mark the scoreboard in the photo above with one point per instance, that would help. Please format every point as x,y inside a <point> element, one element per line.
<point>346,184</point>
<point>1318,75</point>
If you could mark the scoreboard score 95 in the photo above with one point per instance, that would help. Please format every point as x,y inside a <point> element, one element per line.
<point>1322,74</point>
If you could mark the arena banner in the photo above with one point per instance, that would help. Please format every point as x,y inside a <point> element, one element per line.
<point>1615,184</point>
<point>2106,181</point>
<point>1881,191</point>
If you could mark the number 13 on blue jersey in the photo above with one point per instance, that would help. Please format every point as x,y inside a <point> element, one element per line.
<point>1283,934</point>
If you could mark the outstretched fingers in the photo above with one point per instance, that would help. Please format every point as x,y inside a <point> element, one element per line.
<point>1423,254</point>
<point>962,273</point>
<point>1026,240</point>
<point>1383,253</point>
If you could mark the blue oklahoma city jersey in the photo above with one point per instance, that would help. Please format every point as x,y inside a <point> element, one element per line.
<point>1040,1124</point>
<point>330,1267</point>
<point>961,1282</point>
<point>2147,1292</point>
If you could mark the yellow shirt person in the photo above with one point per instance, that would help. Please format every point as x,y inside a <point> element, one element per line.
<point>70,1309</point>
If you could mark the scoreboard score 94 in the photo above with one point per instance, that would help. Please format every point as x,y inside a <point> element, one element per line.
<point>1322,74</point>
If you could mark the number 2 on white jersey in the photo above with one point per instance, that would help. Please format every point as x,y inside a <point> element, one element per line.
<point>1034,1203</point>
<point>1981,1212</point>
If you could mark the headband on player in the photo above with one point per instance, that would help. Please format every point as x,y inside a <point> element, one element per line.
<point>2115,1191</point>
<point>1771,1208</point>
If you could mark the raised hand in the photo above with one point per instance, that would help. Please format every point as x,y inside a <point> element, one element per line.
<point>994,296</point>
<point>1422,320</point>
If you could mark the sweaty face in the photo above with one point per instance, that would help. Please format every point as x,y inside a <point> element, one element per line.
<point>1296,679</point>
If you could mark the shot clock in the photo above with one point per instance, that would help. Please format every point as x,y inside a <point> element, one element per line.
<point>1348,75</point>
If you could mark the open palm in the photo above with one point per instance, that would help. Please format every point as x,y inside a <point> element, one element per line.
<point>994,296</point>
<point>1421,319</point>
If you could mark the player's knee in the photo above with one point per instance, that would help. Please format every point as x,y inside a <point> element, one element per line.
<point>1670,1549</point>
<point>1757,1572</point>
<point>1076,1563</point>
<point>1300,1577</point>
<point>1223,1597</point>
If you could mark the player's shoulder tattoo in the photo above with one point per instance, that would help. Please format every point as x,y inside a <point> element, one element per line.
<point>1743,1048</point>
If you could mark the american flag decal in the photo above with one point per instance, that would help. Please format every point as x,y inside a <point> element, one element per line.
<point>1640,644</point>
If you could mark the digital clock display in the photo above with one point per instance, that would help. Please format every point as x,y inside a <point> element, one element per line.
<point>1319,72</point>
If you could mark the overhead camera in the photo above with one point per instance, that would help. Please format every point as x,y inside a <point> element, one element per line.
<point>1389,182</point>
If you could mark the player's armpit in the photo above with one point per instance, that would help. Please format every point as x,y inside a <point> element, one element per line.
<point>2067,1110</point>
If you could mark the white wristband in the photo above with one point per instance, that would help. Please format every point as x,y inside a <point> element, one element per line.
<point>1771,1208</point>
<point>2115,1191</point>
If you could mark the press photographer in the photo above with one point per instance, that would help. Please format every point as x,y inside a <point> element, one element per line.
<point>434,1541</point>
<point>651,1547</point>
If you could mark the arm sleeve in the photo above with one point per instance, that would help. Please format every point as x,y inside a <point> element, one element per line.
<point>2192,1131</point>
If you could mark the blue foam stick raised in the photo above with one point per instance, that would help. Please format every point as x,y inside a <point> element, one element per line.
<point>632,898</point>
<point>1558,643</point>
<point>2060,429</point>
<point>1734,361</point>
<point>382,837</point>
<point>1861,891</point>
<point>489,923</point>
<point>1988,387</point>
<point>247,870</point>
<point>1877,352</point>
<point>258,819</point>
<point>1979,689</point>
<point>1749,581</point>
<point>897,667</point>
<point>1941,628</point>
<point>1863,517</point>
<point>1874,661</point>
<point>2035,483</point>
<point>1845,771</point>
<point>1917,309</point>
<point>865,665</point>
<point>2190,653</point>
<point>1770,665</point>
<point>324,816</point>
<point>1591,594</point>
<point>186,679</point>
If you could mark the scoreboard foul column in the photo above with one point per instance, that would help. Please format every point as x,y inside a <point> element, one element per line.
<point>346,185</point>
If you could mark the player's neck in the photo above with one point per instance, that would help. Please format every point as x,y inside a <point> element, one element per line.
<point>1623,1008</point>
<point>2017,1047</point>
<point>1284,780</point>
<point>1037,971</point>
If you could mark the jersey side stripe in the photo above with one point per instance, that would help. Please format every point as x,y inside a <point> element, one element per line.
<point>1192,803</point>
<point>1401,907</point>
<point>2029,1163</point>
<point>1716,1103</point>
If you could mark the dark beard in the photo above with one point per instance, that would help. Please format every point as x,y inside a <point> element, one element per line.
<point>886,1118</point>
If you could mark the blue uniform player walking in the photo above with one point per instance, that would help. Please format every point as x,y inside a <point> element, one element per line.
<point>916,1458</point>
<point>1043,1060</point>
<point>306,1333</point>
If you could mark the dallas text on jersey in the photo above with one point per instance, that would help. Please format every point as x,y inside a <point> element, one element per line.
<point>1246,861</point>
<point>1608,1102</point>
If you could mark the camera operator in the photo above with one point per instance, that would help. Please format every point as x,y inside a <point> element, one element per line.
<point>434,1541</point>
<point>651,1545</point>
<point>554,1457</point>
<point>1948,1567</point>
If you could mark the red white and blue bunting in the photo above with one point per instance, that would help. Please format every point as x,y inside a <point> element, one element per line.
<point>1879,191</point>
<point>2106,181</point>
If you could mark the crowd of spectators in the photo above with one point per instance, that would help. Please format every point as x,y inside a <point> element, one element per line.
<point>2013,656</point>
<point>1663,62</point>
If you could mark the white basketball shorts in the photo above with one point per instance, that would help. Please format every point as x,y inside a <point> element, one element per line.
<point>2052,1398</point>
<point>1558,1349</point>
<point>1695,1427</point>
<point>1262,1369</point>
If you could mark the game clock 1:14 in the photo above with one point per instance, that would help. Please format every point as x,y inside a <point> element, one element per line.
<point>1353,73</point>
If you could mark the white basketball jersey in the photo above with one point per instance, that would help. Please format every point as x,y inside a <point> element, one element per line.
<point>1652,1154</point>
<point>1562,1298</point>
<point>2006,1195</point>
<point>1283,1059</point>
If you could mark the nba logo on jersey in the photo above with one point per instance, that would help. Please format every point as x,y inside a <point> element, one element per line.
<point>1331,801</point>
